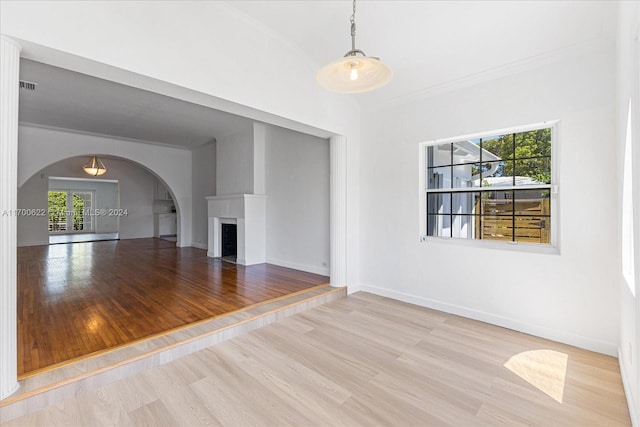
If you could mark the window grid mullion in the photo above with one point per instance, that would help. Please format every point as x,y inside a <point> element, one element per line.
<point>451,194</point>
<point>480,180</point>
<point>480,189</point>
<point>492,161</point>
<point>513,192</point>
<point>513,215</point>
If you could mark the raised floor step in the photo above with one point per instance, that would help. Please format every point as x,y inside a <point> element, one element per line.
<point>59,383</point>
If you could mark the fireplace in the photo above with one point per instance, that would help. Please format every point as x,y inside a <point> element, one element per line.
<point>247,213</point>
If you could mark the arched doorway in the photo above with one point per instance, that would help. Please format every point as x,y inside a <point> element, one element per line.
<point>41,148</point>
<point>129,201</point>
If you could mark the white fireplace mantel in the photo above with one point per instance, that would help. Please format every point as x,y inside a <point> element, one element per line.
<point>248,212</point>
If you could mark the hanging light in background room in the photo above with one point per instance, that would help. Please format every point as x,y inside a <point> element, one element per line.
<point>95,167</point>
<point>355,72</point>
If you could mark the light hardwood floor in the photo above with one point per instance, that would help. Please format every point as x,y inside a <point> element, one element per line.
<point>364,360</point>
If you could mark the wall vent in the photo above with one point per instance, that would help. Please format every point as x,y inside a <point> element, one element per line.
<point>27,85</point>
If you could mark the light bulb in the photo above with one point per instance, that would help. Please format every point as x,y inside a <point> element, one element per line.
<point>353,75</point>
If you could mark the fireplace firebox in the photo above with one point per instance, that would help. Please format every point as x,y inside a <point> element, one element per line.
<point>229,237</point>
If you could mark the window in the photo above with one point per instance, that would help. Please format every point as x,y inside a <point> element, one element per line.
<point>494,187</point>
<point>81,211</point>
<point>57,209</point>
<point>62,219</point>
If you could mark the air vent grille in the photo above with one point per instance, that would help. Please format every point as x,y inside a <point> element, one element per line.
<point>28,85</point>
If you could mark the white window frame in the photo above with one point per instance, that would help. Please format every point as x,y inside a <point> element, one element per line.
<point>552,247</point>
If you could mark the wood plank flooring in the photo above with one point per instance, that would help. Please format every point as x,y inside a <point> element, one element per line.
<point>364,360</point>
<point>81,298</point>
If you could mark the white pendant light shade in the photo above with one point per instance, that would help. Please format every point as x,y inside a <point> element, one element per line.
<point>354,74</point>
<point>95,167</point>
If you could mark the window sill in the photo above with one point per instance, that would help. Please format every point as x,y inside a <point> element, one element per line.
<point>492,244</point>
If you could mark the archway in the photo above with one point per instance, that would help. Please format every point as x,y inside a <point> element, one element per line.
<point>141,200</point>
<point>40,148</point>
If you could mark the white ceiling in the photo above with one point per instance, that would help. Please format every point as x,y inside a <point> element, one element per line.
<point>428,44</point>
<point>432,43</point>
<point>70,100</point>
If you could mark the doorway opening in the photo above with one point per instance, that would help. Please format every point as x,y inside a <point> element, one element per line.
<point>78,210</point>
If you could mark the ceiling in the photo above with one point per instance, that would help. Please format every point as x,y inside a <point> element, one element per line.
<point>428,44</point>
<point>433,43</point>
<point>69,100</point>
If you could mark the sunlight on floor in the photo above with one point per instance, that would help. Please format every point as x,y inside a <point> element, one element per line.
<point>544,369</point>
<point>94,323</point>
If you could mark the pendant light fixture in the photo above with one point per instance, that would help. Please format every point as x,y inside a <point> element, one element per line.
<point>95,167</point>
<point>355,72</point>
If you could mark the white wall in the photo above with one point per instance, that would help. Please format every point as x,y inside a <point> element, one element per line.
<point>105,197</point>
<point>135,195</point>
<point>39,147</point>
<point>628,93</point>
<point>234,164</point>
<point>568,297</point>
<point>297,187</point>
<point>203,178</point>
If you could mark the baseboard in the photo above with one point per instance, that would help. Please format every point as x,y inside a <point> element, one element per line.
<point>131,237</point>
<point>353,289</point>
<point>323,271</point>
<point>200,246</point>
<point>24,244</point>
<point>591,344</point>
<point>628,392</point>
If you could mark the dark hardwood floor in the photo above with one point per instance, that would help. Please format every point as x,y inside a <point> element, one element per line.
<point>81,298</point>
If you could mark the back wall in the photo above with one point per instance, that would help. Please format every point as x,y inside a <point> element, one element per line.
<point>569,296</point>
<point>297,188</point>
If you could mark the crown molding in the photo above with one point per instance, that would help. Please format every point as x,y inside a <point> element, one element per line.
<point>516,67</point>
<point>103,135</point>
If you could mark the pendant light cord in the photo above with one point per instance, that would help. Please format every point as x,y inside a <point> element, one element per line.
<point>353,51</point>
<point>353,27</point>
<point>355,72</point>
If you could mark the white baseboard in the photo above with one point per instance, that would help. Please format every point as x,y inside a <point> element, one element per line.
<point>200,246</point>
<point>21,244</point>
<point>324,271</point>
<point>587,343</point>
<point>628,391</point>
<point>353,289</point>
